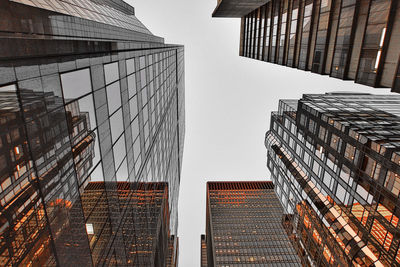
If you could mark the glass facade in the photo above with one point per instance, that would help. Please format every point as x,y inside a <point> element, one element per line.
<point>334,161</point>
<point>244,227</point>
<point>87,96</point>
<point>145,224</point>
<point>346,39</point>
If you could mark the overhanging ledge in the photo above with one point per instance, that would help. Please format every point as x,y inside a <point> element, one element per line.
<point>236,8</point>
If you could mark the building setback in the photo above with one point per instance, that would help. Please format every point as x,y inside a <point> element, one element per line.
<point>91,116</point>
<point>244,227</point>
<point>347,39</point>
<point>335,164</point>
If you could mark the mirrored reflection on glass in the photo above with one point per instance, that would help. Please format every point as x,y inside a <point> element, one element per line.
<point>76,84</point>
<point>8,88</point>
<point>81,113</point>
<point>98,228</point>
<point>97,173</point>
<point>86,156</point>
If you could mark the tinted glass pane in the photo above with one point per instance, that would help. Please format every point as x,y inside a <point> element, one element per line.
<point>136,148</point>
<point>133,107</point>
<point>111,72</point>
<point>76,84</point>
<point>130,65</point>
<point>119,151</point>
<point>116,125</point>
<point>122,173</point>
<point>131,85</point>
<point>135,128</point>
<point>113,97</point>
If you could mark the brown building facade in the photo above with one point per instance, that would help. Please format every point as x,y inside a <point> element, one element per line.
<point>244,226</point>
<point>347,39</point>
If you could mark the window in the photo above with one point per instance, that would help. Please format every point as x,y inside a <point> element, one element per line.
<point>116,125</point>
<point>392,182</point>
<point>111,72</point>
<point>113,97</point>
<point>76,84</point>
<point>130,66</point>
<point>131,85</point>
<point>122,173</point>
<point>133,107</point>
<point>89,229</point>
<point>135,128</point>
<point>119,151</point>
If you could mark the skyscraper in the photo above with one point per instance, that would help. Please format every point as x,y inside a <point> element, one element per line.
<point>335,163</point>
<point>88,96</point>
<point>346,39</point>
<point>145,227</point>
<point>244,227</point>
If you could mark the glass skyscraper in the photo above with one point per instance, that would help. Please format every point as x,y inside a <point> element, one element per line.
<point>335,163</point>
<point>244,227</point>
<point>91,116</point>
<point>346,39</point>
<point>146,222</point>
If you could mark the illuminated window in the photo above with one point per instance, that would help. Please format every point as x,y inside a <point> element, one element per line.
<point>89,229</point>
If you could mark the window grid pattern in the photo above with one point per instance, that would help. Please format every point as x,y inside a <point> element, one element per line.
<point>246,226</point>
<point>334,162</point>
<point>108,112</point>
<point>345,39</point>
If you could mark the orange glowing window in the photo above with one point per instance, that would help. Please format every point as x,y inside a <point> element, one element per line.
<point>379,232</point>
<point>328,255</point>
<point>398,256</point>
<point>360,213</point>
<point>317,237</point>
<point>229,197</point>
<point>307,222</point>
<point>299,209</point>
<point>388,215</point>
<point>365,217</point>
<point>388,241</point>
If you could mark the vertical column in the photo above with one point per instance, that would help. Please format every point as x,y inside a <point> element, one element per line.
<point>334,23</point>
<point>390,49</point>
<point>268,31</point>
<point>313,31</point>
<point>242,36</point>
<point>293,33</point>
<point>306,21</point>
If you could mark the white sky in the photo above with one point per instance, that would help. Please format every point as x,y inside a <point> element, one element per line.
<point>228,104</point>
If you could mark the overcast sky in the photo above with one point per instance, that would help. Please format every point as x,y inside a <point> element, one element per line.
<point>228,104</point>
